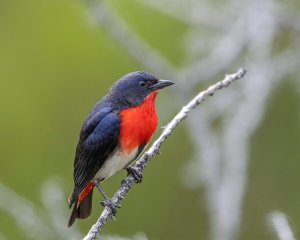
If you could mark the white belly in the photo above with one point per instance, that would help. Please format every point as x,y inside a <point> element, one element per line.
<point>118,161</point>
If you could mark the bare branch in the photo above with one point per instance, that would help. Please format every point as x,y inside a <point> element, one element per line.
<point>155,148</point>
<point>281,226</point>
<point>130,41</point>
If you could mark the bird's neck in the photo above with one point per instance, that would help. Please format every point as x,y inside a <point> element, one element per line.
<point>138,124</point>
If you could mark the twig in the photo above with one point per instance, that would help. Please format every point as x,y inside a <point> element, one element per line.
<point>281,226</point>
<point>155,148</point>
<point>130,41</point>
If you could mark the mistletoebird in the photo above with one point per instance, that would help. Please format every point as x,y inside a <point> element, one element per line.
<point>114,134</point>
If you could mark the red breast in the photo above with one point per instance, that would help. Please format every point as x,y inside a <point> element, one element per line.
<point>138,124</point>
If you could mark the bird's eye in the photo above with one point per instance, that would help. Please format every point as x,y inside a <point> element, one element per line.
<point>142,83</point>
<point>154,81</point>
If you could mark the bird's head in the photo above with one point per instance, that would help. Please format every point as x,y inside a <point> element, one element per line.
<point>135,87</point>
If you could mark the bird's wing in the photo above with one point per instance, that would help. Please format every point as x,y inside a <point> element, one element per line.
<point>98,139</point>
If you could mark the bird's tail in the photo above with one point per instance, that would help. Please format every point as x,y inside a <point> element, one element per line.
<point>82,207</point>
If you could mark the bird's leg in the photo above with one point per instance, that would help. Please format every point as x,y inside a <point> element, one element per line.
<point>137,174</point>
<point>106,202</point>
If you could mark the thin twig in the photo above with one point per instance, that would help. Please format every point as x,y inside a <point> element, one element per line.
<point>155,148</point>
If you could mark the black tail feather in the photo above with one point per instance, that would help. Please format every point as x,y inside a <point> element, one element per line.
<point>83,210</point>
<point>73,216</point>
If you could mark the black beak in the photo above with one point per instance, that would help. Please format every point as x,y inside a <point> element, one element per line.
<point>161,84</point>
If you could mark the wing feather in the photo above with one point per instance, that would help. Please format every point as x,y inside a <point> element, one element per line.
<point>98,139</point>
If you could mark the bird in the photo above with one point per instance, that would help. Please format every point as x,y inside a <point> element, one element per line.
<point>113,135</point>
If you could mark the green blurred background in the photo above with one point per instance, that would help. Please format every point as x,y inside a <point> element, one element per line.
<point>56,62</point>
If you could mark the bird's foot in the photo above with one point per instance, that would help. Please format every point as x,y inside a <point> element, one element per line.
<point>137,174</point>
<point>113,206</point>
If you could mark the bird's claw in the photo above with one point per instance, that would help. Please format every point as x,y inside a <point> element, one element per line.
<point>137,174</point>
<point>113,206</point>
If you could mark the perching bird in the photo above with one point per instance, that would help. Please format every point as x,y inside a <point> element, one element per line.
<point>113,135</point>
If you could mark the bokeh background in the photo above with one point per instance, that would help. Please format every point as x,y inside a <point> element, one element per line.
<point>223,172</point>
